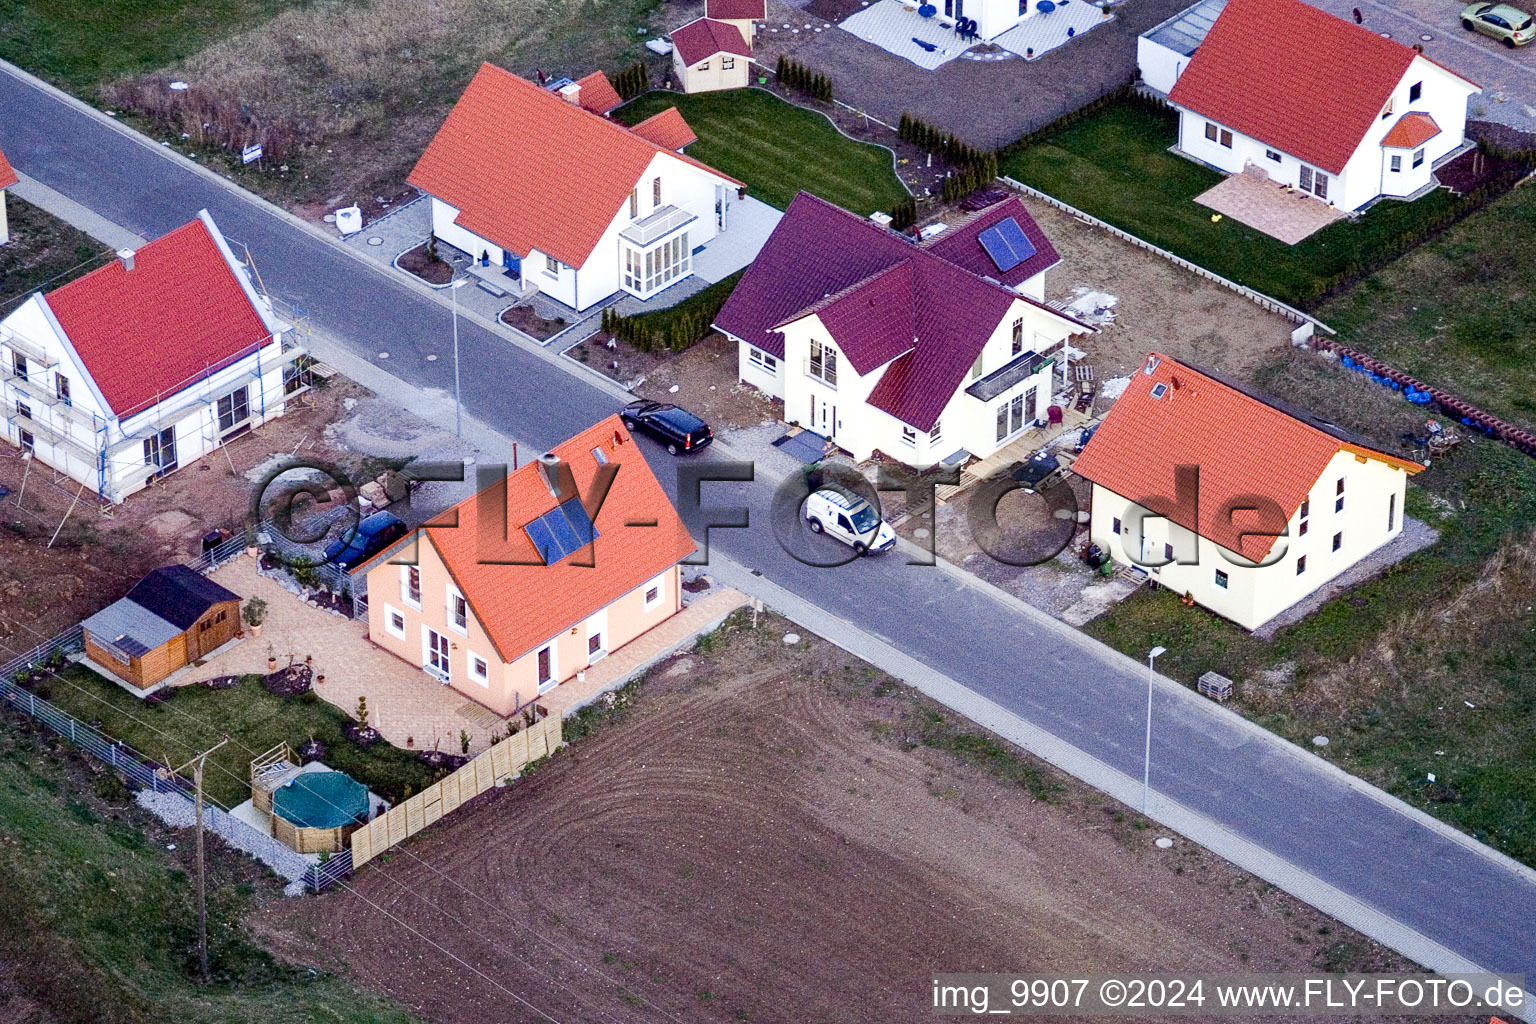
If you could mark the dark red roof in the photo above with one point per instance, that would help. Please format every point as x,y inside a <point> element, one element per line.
<point>736,10</point>
<point>826,260</point>
<point>7,175</point>
<point>146,333</point>
<point>1294,77</point>
<point>963,246</point>
<point>702,38</point>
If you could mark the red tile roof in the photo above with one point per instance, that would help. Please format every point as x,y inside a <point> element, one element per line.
<point>963,246</point>
<point>1244,444</point>
<point>149,332</point>
<point>736,10</point>
<point>1294,77</point>
<point>667,129</point>
<point>7,175</point>
<point>598,94</point>
<point>524,606</point>
<point>702,38</point>
<point>1411,131</point>
<point>822,258</point>
<point>528,170</point>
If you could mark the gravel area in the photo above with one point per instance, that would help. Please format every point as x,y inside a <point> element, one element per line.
<point>176,811</point>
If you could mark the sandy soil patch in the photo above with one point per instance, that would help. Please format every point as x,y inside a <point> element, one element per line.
<point>705,376</point>
<point>775,833</point>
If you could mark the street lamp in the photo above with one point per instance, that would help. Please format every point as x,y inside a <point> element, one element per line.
<point>458,403</point>
<point>1146,770</point>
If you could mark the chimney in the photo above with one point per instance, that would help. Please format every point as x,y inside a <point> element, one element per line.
<point>557,477</point>
<point>126,255</point>
<point>572,93</point>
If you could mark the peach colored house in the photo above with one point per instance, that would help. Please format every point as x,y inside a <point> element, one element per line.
<point>521,587</point>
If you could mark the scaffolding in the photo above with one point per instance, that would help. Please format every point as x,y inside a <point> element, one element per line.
<point>71,433</point>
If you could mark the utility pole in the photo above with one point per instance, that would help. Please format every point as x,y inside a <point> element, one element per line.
<point>196,764</point>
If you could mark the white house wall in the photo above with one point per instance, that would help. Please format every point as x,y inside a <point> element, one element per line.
<point>682,185</point>
<point>1373,492</point>
<point>1160,66</point>
<point>5,230</point>
<point>770,383</point>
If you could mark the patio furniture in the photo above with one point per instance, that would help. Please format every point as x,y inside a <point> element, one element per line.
<point>1054,414</point>
<point>927,11</point>
<point>1045,6</point>
<point>930,47</point>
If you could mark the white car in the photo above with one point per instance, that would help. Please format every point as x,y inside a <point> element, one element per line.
<point>841,513</point>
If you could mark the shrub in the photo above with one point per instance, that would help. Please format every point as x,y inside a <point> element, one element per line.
<point>255,612</point>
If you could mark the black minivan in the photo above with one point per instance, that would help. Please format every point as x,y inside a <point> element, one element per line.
<point>680,430</point>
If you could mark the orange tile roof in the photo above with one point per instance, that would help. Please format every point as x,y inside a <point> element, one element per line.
<point>1411,131</point>
<point>528,170</point>
<point>1243,443</point>
<point>597,93</point>
<point>523,606</point>
<point>702,38</point>
<point>1294,77</point>
<point>177,316</point>
<point>7,175</point>
<point>667,129</point>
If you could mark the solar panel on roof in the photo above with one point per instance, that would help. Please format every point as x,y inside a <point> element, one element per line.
<point>561,531</point>
<point>1006,244</point>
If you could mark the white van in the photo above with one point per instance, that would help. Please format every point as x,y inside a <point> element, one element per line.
<point>841,513</point>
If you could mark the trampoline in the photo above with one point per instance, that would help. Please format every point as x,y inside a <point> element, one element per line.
<point>317,812</point>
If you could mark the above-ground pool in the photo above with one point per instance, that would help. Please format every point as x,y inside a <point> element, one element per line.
<point>316,812</point>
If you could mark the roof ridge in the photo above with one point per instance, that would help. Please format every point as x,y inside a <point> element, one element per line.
<point>831,298</point>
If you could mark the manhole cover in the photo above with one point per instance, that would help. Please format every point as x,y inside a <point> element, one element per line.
<point>375,240</point>
<point>791,638</point>
<point>431,359</point>
<point>1319,741</point>
<point>1386,35</point>
<point>921,531</point>
<point>1426,37</point>
<point>1165,843</point>
<point>383,355</point>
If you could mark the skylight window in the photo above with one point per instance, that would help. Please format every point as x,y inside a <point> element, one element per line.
<point>561,531</point>
<point>1159,390</point>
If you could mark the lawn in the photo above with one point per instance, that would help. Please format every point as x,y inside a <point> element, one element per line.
<point>43,252</point>
<point>1459,312</point>
<point>81,44</point>
<point>195,717</point>
<point>99,923</point>
<point>1424,670</point>
<point>1116,166</point>
<point>778,149</point>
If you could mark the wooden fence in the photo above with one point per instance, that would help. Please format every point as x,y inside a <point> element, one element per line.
<point>1258,298</point>
<point>505,759</point>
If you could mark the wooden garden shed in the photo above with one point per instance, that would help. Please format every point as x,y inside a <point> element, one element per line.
<point>171,618</point>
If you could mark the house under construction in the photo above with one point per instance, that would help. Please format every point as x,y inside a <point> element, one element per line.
<point>146,364</point>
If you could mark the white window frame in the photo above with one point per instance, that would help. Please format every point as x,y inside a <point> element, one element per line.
<point>1418,157</point>
<point>552,266</point>
<point>1222,579</point>
<point>597,626</point>
<point>405,586</point>
<point>727,63</point>
<point>442,676</point>
<point>390,611</point>
<point>545,685</point>
<point>448,610</point>
<point>484,679</point>
<point>762,360</point>
<point>234,407</point>
<point>1396,164</point>
<point>908,436</point>
<point>660,584</point>
<point>937,433</point>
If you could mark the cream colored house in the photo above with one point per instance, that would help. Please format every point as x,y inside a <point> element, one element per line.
<point>878,344</point>
<point>1241,503</point>
<point>506,607</point>
<point>710,55</point>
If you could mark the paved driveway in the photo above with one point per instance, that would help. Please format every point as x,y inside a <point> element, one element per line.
<point>1508,77</point>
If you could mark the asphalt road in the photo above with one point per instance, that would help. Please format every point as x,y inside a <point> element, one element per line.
<point>1261,790</point>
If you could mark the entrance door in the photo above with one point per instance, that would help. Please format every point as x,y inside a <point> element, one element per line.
<point>828,420</point>
<point>513,264</point>
<point>546,669</point>
<point>437,655</point>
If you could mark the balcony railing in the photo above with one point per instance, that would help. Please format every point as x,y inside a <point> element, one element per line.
<point>820,371</point>
<point>658,225</point>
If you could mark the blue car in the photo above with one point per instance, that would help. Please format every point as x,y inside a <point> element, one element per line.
<point>373,535</point>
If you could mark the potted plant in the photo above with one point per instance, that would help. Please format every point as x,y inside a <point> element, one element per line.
<point>1105,9</point>
<point>271,659</point>
<point>255,614</point>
